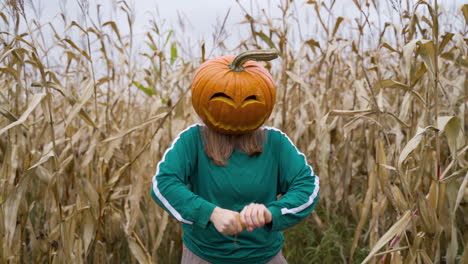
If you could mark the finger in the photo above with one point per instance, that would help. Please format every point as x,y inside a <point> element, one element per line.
<point>248,218</point>
<point>235,223</point>
<point>255,213</point>
<point>239,227</point>
<point>242,217</point>
<point>251,216</point>
<point>226,231</point>
<point>240,222</point>
<point>267,215</point>
<point>230,231</point>
<point>260,216</point>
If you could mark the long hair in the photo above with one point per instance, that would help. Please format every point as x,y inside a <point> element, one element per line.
<point>219,147</point>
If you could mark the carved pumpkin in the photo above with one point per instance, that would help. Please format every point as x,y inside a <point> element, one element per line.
<point>234,95</point>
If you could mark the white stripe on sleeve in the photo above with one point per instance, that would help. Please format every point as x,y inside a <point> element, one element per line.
<point>158,194</point>
<point>316,182</point>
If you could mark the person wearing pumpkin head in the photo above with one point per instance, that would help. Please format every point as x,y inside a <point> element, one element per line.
<point>233,184</point>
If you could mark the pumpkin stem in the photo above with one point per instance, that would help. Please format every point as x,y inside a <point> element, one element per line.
<point>256,55</point>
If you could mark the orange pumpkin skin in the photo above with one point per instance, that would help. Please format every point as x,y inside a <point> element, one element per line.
<point>233,102</point>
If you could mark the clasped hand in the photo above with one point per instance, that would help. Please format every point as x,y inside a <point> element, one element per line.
<point>229,222</point>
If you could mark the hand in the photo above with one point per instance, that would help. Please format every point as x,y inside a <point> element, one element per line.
<point>255,216</point>
<point>226,221</point>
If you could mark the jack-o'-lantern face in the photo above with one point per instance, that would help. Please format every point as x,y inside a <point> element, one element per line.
<point>230,101</point>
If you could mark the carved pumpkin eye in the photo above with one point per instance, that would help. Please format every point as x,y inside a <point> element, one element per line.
<point>220,95</point>
<point>250,99</point>
<point>223,98</point>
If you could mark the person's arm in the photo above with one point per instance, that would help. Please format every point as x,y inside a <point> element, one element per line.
<point>298,184</point>
<point>169,187</point>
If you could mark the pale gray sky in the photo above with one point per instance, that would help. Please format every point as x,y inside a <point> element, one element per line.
<point>202,16</point>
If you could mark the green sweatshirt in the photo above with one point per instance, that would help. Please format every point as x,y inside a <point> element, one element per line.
<point>189,186</point>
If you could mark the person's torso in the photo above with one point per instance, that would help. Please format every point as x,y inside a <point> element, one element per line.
<point>244,180</point>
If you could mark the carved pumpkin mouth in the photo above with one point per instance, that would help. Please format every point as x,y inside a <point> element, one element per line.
<point>233,128</point>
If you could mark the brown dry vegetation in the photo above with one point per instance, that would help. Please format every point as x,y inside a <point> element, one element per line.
<point>380,111</point>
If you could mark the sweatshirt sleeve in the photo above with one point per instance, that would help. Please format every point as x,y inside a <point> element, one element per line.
<point>298,185</point>
<point>169,186</point>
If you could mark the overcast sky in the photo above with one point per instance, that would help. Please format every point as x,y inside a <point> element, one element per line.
<point>200,16</point>
<point>203,13</point>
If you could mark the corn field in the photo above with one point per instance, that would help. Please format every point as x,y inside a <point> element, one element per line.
<point>379,109</point>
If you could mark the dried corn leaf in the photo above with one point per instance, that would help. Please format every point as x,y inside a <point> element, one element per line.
<point>411,145</point>
<point>43,159</point>
<point>465,12</point>
<point>453,244</point>
<point>74,23</point>
<point>349,112</point>
<point>266,39</point>
<point>312,44</point>
<point>114,27</point>
<point>460,193</point>
<point>389,47</point>
<point>161,230</point>
<point>417,76</point>
<point>88,226</point>
<point>454,175</point>
<point>428,216</point>
<point>74,46</point>
<point>37,98</point>
<point>451,125</point>
<point>445,40</point>
<point>140,253</point>
<point>11,205</point>
<point>140,126</point>
<point>297,78</point>
<point>427,52</point>
<point>393,84</point>
<point>87,93</point>
<point>408,59</point>
<point>433,195</point>
<point>395,230</point>
<point>464,257</point>
<point>398,198</point>
<point>9,115</point>
<point>90,194</point>
<point>116,176</point>
<point>425,257</point>
<point>10,71</point>
<point>43,174</point>
<point>337,25</point>
<point>67,235</point>
<point>364,211</point>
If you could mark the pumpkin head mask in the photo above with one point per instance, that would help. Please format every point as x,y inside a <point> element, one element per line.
<point>234,95</point>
